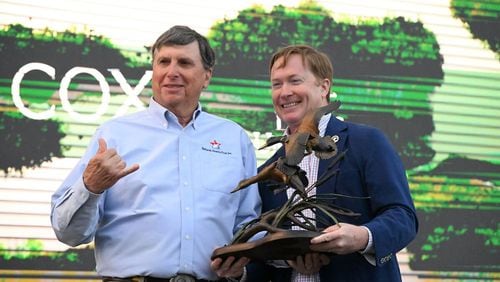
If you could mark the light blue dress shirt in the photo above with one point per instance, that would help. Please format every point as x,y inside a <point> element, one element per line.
<point>169,216</point>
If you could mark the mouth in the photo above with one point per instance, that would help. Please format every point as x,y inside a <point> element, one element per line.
<point>289,105</point>
<point>172,86</point>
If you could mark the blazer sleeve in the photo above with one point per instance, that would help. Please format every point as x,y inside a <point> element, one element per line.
<point>394,222</point>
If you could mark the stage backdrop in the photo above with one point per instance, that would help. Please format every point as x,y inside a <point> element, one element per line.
<point>426,72</point>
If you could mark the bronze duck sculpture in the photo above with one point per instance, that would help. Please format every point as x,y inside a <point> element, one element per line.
<point>304,141</point>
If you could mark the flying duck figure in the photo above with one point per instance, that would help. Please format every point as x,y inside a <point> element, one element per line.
<point>285,175</point>
<point>306,139</point>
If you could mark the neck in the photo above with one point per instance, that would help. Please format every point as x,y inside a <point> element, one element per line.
<point>184,115</point>
<point>184,120</point>
<point>292,129</point>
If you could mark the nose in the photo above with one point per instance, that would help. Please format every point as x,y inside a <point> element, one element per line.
<point>286,89</point>
<point>172,70</point>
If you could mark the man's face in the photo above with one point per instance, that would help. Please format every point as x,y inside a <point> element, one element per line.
<point>295,90</point>
<point>179,77</point>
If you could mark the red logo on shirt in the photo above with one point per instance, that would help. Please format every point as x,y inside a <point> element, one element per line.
<point>215,144</point>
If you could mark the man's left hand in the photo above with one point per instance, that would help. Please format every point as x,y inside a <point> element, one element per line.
<point>230,267</point>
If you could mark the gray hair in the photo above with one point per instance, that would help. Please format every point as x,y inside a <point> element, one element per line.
<point>183,35</point>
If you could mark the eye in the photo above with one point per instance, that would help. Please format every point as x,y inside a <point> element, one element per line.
<point>185,62</point>
<point>295,81</point>
<point>276,85</point>
<point>163,61</point>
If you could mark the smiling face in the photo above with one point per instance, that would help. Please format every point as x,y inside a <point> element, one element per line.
<point>179,77</point>
<point>295,90</point>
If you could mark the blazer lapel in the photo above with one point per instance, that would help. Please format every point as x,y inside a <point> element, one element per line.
<point>335,129</point>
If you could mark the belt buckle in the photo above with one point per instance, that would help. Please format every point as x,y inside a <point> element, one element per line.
<point>182,278</point>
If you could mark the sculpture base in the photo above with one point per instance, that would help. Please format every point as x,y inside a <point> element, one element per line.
<point>281,245</point>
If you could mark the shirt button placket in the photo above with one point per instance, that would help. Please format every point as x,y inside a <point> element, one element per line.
<point>186,201</point>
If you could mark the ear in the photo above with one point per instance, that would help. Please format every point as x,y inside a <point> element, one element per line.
<point>208,76</point>
<point>325,85</point>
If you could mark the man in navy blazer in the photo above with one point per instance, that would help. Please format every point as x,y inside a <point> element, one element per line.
<point>362,248</point>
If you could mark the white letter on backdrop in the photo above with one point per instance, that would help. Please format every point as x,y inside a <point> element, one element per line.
<point>63,93</point>
<point>16,90</point>
<point>133,94</point>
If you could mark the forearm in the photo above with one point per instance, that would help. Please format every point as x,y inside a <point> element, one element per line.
<point>392,231</point>
<point>74,215</point>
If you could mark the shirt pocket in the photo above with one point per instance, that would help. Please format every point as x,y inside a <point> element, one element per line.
<point>219,171</point>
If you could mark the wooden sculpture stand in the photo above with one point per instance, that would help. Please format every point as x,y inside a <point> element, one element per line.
<point>281,245</point>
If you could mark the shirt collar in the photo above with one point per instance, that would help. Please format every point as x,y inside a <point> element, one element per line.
<point>164,115</point>
<point>323,123</point>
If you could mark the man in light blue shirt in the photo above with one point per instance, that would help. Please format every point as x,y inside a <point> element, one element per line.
<point>153,188</point>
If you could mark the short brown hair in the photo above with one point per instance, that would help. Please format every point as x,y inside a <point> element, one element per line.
<point>317,61</point>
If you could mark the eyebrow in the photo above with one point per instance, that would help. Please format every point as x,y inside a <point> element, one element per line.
<point>186,59</point>
<point>183,58</point>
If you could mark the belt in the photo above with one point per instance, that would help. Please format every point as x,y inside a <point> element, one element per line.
<point>177,278</point>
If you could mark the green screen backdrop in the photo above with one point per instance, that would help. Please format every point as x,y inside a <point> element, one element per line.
<point>425,72</point>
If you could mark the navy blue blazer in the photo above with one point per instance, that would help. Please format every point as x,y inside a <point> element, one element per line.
<point>371,168</point>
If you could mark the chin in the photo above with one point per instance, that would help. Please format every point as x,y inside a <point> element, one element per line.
<point>290,120</point>
<point>293,116</point>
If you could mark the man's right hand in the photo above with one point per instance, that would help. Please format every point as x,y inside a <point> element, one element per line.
<point>105,169</point>
<point>309,263</point>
